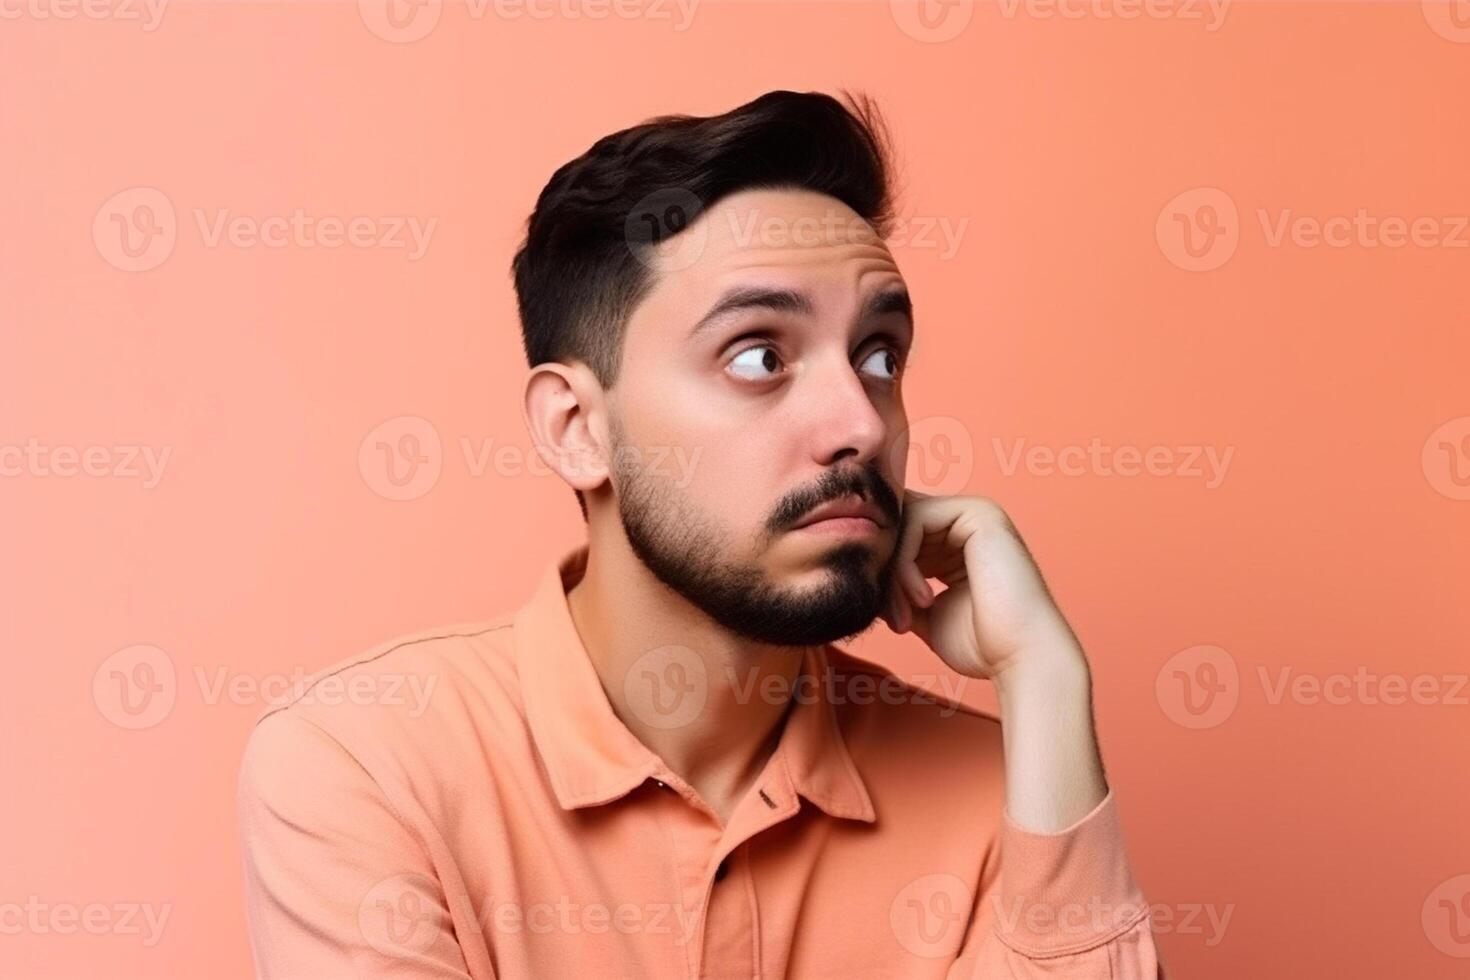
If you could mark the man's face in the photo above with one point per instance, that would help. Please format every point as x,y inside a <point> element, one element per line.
<point>760,380</point>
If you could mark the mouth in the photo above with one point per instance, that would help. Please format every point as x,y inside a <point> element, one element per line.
<point>846,516</point>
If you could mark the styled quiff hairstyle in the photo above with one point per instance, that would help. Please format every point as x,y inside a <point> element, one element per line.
<point>585,262</point>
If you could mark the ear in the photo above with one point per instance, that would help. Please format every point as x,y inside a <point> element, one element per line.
<point>564,411</point>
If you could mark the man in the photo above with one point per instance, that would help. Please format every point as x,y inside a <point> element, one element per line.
<point>662,765</point>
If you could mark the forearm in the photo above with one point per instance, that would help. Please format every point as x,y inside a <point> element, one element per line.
<point>1054,773</point>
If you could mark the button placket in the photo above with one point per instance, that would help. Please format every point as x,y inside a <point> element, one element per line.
<point>690,841</point>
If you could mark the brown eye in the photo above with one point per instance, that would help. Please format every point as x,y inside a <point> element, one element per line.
<point>887,361</point>
<point>751,362</point>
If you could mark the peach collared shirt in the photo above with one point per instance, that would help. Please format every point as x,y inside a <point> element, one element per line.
<point>464,802</point>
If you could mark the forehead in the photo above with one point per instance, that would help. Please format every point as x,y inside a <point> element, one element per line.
<point>786,238</point>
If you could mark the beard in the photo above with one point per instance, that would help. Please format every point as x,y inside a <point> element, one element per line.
<point>686,551</point>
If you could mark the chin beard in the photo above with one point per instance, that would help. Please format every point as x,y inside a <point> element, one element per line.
<point>684,555</point>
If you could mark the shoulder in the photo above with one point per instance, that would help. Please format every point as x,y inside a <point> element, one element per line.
<point>400,703</point>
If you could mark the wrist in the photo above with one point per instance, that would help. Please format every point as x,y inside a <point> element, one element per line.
<point>1056,668</point>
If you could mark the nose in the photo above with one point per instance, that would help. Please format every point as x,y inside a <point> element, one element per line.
<point>848,424</point>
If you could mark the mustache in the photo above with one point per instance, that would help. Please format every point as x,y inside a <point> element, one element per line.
<point>865,482</point>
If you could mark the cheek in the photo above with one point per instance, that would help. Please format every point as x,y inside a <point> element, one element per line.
<point>737,482</point>
<point>896,455</point>
<point>722,455</point>
<point>712,471</point>
<point>731,481</point>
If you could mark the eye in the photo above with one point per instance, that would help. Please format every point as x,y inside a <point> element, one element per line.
<point>750,362</point>
<point>887,360</point>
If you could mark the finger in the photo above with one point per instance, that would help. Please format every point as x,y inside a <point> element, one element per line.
<point>952,520</point>
<point>911,535</point>
<point>904,616</point>
<point>919,625</point>
<point>920,593</point>
<point>922,514</point>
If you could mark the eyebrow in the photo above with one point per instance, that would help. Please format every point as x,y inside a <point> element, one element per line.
<point>742,298</point>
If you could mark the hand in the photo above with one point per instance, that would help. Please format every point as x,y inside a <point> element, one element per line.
<point>996,618</point>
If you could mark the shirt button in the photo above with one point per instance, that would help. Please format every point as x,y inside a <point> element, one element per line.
<point>722,870</point>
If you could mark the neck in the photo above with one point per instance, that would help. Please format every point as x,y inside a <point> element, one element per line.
<point>622,612</point>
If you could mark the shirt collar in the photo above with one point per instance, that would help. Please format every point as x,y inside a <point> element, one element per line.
<point>593,758</point>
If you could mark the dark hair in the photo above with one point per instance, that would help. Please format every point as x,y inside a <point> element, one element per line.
<point>583,266</point>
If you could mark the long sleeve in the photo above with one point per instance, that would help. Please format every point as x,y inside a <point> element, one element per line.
<point>336,884</point>
<point>1062,906</point>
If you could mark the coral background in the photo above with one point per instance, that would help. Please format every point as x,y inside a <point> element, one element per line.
<point>1134,201</point>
